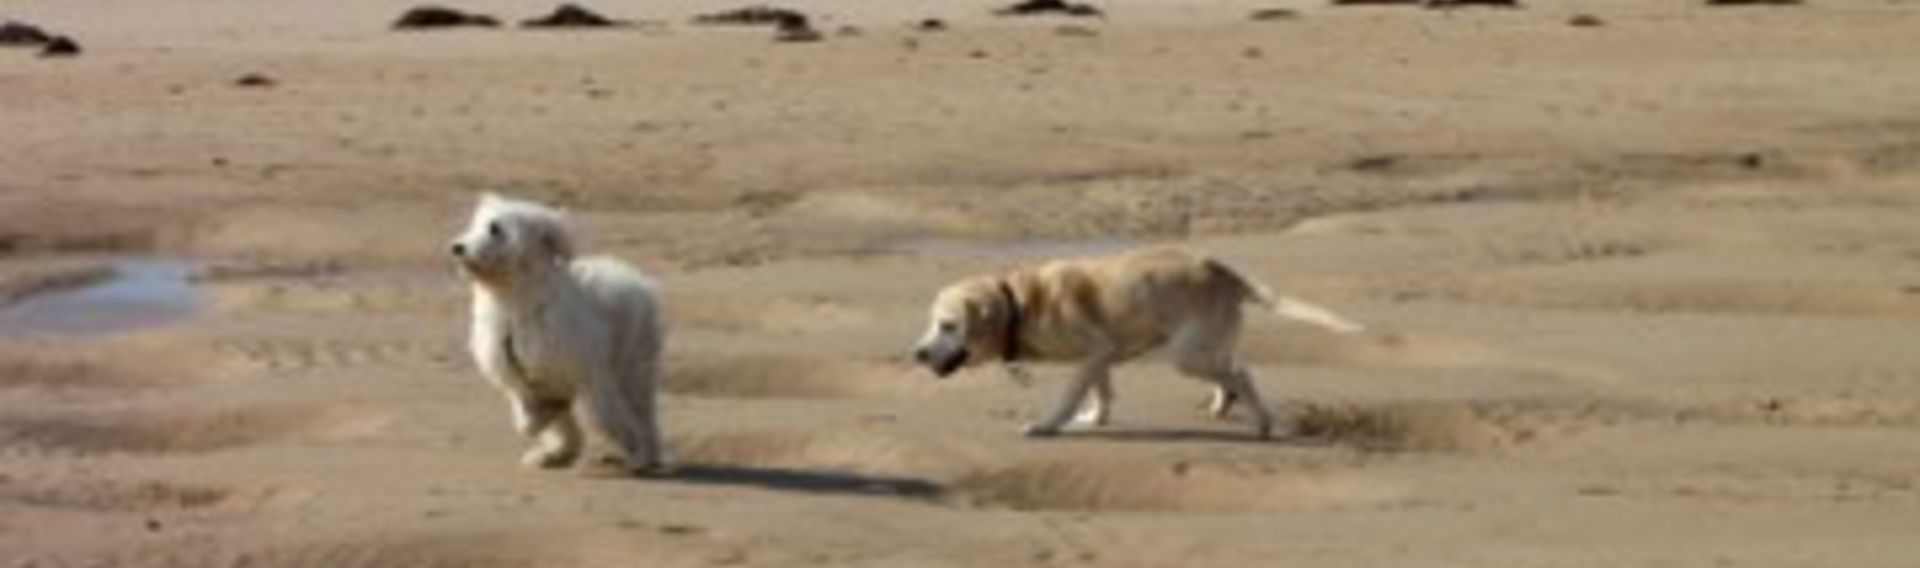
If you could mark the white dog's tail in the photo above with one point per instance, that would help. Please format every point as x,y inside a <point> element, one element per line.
<point>1288,307</point>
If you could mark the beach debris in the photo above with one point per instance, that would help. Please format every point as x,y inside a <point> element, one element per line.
<point>1040,7</point>
<point>571,16</point>
<point>431,16</point>
<point>61,46</point>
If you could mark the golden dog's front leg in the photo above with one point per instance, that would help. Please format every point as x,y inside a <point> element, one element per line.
<point>1097,406</point>
<point>1095,372</point>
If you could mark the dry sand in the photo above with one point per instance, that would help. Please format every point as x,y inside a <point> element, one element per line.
<point>1645,293</point>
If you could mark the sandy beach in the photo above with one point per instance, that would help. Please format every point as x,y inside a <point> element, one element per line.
<point>1643,291</point>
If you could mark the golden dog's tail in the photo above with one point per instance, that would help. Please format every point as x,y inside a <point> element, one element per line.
<point>1288,307</point>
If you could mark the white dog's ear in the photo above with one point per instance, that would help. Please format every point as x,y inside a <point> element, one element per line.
<point>557,244</point>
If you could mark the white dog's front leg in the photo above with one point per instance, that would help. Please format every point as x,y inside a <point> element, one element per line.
<point>1094,372</point>
<point>559,444</point>
<point>530,416</point>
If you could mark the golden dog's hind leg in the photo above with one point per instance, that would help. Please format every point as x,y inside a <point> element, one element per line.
<point>1222,402</point>
<point>1096,408</point>
<point>1239,382</point>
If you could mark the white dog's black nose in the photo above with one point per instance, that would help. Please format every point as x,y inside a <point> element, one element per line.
<point>458,249</point>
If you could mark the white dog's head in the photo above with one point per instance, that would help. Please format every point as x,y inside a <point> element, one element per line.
<point>509,238</point>
<point>968,324</point>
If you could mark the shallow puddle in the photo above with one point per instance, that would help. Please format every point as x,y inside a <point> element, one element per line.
<point>138,294</point>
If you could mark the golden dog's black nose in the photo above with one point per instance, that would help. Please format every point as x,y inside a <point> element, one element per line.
<point>458,249</point>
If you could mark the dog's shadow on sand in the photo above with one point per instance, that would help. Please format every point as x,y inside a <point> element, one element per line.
<point>1190,435</point>
<point>805,481</point>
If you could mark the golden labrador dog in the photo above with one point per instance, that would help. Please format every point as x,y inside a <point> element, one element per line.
<point>1103,312</point>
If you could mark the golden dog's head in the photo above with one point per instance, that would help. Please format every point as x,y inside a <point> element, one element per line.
<point>508,239</point>
<point>967,325</point>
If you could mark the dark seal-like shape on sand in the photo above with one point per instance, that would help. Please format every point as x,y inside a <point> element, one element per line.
<point>61,46</point>
<point>1038,7</point>
<point>429,17</point>
<point>20,34</point>
<point>571,16</point>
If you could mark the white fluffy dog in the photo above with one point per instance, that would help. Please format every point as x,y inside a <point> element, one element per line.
<point>548,326</point>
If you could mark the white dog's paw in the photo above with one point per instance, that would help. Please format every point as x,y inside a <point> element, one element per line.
<point>1090,418</point>
<point>1269,430</point>
<point>548,458</point>
<point>530,419</point>
<point>1221,403</point>
<point>1040,430</point>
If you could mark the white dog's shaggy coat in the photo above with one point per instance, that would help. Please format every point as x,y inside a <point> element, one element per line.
<point>1103,312</point>
<point>549,329</point>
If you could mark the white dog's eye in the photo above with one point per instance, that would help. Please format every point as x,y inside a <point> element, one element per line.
<point>494,231</point>
<point>947,327</point>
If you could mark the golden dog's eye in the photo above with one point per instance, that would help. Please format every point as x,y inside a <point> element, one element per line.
<point>494,231</point>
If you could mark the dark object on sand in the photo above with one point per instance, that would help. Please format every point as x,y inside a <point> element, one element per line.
<point>1586,21</point>
<point>796,31</point>
<point>761,15</point>
<point>23,35</point>
<point>61,46</point>
<point>571,16</point>
<point>1037,7</point>
<point>254,80</point>
<point>1272,14</point>
<point>931,25</point>
<point>1449,4</point>
<point>433,17</point>
<point>789,25</point>
<point>1375,2</point>
<point>1753,2</point>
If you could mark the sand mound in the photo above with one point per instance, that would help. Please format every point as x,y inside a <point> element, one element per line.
<point>854,451</point>
<point>61,370</point>
<point>300,355</point>
<point>1209,485</point>
<point>154,433</point>
<point>111,496</point>
<point>1474,426</point>
<point>388,548</point>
